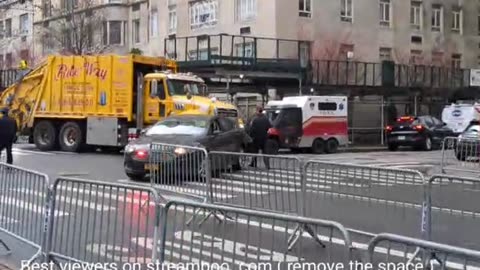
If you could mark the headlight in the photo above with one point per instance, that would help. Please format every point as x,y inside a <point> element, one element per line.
<point>180,151</point>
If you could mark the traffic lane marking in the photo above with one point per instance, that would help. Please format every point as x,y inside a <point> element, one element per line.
<point>81,203</point>
<point>37,209</point>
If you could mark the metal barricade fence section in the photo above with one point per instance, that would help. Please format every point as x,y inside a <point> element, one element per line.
<point>461,154</point>
<point>388,251</point>
<point>358,196</point>
<point>256,181</point>
<point>179,169</point>
<point>246,238</point>
<point>454,205</point>
<point>102,223</point>
<point>23,204</point>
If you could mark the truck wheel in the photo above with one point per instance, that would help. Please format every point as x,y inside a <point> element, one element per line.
<point>45,135</point>
<point>332,146</point>
<point>71,137</point>
<point>318,146</point>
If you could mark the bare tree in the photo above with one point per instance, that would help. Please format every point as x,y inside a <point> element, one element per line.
<point>76,27</point>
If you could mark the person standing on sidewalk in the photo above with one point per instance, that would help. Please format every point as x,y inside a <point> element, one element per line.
<point>258,130</point>
<point>8,131</point>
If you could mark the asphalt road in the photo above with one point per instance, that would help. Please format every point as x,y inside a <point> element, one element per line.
<point>104,223</point>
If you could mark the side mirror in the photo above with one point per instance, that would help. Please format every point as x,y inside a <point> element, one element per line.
<point>154,88</point>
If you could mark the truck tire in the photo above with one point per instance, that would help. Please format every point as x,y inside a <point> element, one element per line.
<point>45,135</point>
<point>71,137</point>
<point>318,146</point>
<point>331,146</point>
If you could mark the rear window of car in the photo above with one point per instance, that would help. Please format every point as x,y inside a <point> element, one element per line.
<point>178,126</point>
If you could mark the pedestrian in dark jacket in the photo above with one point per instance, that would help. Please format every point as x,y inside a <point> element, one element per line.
<point>8,131</point>
<point>258,130</point>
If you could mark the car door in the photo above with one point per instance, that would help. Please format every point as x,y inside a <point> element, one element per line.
<point>231,135</point>
<point>441,128</point>
<point>433,129</point>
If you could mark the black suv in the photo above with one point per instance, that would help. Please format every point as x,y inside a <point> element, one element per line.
<point>421,133</point>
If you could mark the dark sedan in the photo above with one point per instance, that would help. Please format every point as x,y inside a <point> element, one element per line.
<point>422,132</point>
<point>181,139</point>
<point>468,143</point>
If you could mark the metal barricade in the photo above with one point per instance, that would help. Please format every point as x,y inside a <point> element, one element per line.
<point>411,253</point>
<point>180,170</point>
<point>102,222</point>
<point>461,155</point>
<point>23,206</point>
<point>253,181</point>
<point>453,203</point>
<point>250,238</point>
<point>354,195</point>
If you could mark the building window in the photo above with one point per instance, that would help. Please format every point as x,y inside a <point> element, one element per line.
<point>456,60</point>
<point>153,23</point>
<point>457,20</point>
<point>416,57</point>
<point>246,50</point>
<point>385,54</point>
<point>24,26</point>
<point>8,28</point>
<point>437,58</point>
<point>114,33</point>
<point>305,8</point>
<point>437,18</point>
<point>203,13</point>
<point>136,31</point>
<point>346,11</point>
<point>8,60</point>
<point>245,10</point>
<point>385,11</point>
<point>24,55</point>
<point>346,51</point>
<point>172,19</point>
<point>416,15</point>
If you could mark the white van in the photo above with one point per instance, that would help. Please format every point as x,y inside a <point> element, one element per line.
<point>458,116</point>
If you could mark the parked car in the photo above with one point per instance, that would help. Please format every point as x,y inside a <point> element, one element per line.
<point>421,133</point>
<point>468,142</point>
<point>214,133</point>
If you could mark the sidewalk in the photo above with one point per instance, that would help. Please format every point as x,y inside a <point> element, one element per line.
<point>363,148</point>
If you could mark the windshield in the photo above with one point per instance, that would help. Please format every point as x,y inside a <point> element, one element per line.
<point>178,127</point>
<point>179,87</point>
<point>285,117</point>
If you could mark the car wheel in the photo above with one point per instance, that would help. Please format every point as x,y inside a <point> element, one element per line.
<point>242,161</point>
<point>318,146</point>
<point>332,146</point>
<point>71,137</point>
<point>45,135</point>
<point>137,177</point>
<point>427,144</point>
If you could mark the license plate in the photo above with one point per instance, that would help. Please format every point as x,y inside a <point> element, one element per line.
<point>149,167</point>
<point>401,138</point>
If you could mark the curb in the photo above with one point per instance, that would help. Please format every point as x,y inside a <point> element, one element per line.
<point>362,149</point>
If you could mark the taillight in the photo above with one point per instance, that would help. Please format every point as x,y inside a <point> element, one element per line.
<point>273,131</point>
<point>405,119</point>
<point>389,128</point>
<point>418,127</point>
<point>141,154</point>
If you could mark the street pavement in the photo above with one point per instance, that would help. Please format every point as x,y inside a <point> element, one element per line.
<point>103,223</point>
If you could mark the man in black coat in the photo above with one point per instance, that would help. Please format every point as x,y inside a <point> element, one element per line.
<point>258,130</point>
<point>8,131</point>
